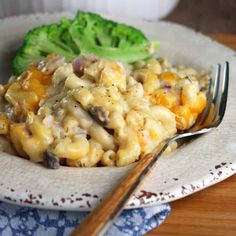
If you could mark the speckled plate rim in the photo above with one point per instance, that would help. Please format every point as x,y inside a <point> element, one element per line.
<point>176,175</point>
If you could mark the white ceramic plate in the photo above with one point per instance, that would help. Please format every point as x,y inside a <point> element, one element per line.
<point>204,162</point>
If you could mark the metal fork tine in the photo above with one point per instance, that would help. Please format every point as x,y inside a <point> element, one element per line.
<point>218,101</point>
<point>224,94</point>
<point>216,84</point>
<point>215,99</point>
<point>209,101</point>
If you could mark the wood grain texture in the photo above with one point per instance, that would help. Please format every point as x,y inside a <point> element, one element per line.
<point>209,212</point>
<point>229,40</point>
<point>103,216</point>
<point>205,15</point>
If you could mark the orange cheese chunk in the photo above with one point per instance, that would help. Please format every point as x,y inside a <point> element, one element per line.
<point>4,124</point>
<point>26,92</point>
<point>166,98</point>
<point>184,117</point>
<point>169,78</point>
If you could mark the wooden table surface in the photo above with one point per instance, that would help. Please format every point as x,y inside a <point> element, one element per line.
<point>208,212</point>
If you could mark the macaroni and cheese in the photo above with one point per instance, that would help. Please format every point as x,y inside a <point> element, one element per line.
<point>95,112</point>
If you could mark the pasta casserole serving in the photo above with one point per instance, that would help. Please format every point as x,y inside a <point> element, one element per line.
<point>96,112</point>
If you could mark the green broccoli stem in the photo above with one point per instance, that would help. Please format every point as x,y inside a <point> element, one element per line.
<point>47,46</point>
<point>129,55</point>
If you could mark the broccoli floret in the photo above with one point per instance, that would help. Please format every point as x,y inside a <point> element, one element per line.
<point>108,39</point>
<point>88,33</point>
<point>41,41</point>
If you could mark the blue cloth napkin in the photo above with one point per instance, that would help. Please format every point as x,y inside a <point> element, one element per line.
<point>17,220</point>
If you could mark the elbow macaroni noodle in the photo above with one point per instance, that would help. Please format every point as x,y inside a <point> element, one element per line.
<point>109,114</point>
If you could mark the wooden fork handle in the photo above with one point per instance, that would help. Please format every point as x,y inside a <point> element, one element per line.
<point>105,213</point>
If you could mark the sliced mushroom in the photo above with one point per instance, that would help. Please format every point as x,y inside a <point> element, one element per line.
<point>99,114</point>
<point>51,65</point>
<point>41,65</point>
<point>50,160</point>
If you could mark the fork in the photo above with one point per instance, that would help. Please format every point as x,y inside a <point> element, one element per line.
<point>102,217</point>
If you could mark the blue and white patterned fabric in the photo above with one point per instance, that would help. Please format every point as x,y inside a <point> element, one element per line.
<point>16,220</point>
